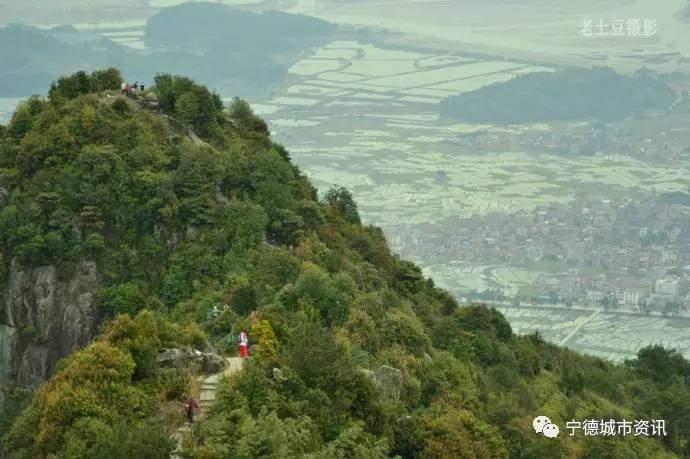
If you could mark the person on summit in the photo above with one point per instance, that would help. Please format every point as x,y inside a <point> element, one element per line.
<point>244,344</point>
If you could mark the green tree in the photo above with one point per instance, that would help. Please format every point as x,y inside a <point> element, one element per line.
<point>187,108</point>
<point>660,364</point>
<point>263,335</point>
<point>340,200</point>
<point>109,78</point>
<point>126,298</point>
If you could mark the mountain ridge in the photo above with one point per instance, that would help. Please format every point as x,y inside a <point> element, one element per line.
<point>192,242</point>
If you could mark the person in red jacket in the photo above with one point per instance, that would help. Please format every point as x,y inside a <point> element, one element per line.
<point>190,407</point>
<point>244,344</point>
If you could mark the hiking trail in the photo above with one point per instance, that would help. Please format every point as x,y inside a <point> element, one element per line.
<point>206,399</point>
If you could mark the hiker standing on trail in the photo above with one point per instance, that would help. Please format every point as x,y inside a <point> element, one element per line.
<point>123,86</point>
<point>190,407</point>
<point>244,344</point>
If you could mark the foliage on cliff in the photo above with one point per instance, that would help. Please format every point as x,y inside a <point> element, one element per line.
<point>181,227</point>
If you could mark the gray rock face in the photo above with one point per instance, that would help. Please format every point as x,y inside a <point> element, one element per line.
<point>49,315</point>
<point>8,339</point>
<point>35,366</point>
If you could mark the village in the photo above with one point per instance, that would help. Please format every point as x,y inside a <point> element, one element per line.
<point>632,256</point>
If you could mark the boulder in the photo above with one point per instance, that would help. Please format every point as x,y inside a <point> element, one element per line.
<point>212,363</point>
<point>170,358</point>
<point>206,362</point>
<point>389,380</point>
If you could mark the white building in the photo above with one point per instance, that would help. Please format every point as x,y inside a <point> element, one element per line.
<point>628,297</point>
<point>667,286</point>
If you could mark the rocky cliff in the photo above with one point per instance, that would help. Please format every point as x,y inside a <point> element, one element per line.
<point>47,313</point>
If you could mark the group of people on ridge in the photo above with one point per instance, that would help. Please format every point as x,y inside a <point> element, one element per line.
<point>131,89</point>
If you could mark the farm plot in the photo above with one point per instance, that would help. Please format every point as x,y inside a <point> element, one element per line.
<point>308,67</point>
<point>425,78</point>
<point>413,78</point>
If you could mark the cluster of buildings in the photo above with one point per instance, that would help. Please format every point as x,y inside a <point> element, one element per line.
<point>584,139</point>
<point>615,254</point>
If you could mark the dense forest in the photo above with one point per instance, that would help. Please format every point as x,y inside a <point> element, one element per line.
<point>186,206</point>
<point>596,93</point>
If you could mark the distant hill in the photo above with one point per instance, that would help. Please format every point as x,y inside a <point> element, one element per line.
<point>233,51</point>
<point>598,93</point>
<point>34,57</point>
<point>233,43</point>
<point>215,29</point>
<point>31,58</point>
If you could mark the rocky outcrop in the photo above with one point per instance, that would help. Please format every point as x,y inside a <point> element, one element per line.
<point>204,362</point>
<point>389,381</point>
<point>47,315</point>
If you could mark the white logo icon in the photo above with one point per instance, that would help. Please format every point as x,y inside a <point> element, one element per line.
<point>539,423</point>
<point>550,430</point>
<point>543,425</point>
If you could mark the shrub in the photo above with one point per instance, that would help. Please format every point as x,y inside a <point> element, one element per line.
<point>263,335</point>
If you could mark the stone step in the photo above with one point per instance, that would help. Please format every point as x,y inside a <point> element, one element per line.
<point>207,398</point>
<point>213,379</point>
